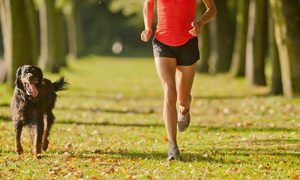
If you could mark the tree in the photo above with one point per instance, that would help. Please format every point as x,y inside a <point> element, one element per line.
<point>222,34</point>
<point>239,55</point>
<point>62,39</point>
<point>286,25</point>
<point>276,85</point>
<point>18,28</point>
<point>73,13</point>
<point>291,12</point>
<point>204,45</point>
<point>53,53</point>
<point>257,43</point>
<point>2,62</point>
<point>1,40</point>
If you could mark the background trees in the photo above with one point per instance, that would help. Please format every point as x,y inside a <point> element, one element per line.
<point>239,53</point>
<point>247,38</point>
<point>74,24</point>
<point>257,42</point>
<point>19,35</point>
<point>53,35</point>
<point>223,37</point>
<point>286,25</point>
<point>267,32</point>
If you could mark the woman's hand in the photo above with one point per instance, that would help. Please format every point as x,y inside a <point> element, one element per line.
<point>146,34</point>
<point>196,28</point>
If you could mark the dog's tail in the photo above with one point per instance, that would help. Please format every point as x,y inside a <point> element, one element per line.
<point>60,84</point>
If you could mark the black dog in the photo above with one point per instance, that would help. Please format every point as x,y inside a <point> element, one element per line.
<point>32,104</point>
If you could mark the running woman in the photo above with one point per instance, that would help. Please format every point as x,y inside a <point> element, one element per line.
<point>175,49</point>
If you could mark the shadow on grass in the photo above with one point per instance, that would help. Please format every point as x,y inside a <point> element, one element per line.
<point>243,129</point>
<point>223,155</point>
<point>5,118</point>
<point>134,155</point>
<point>231,97</point>
<point>192,128</point>
<point>105,123</point>
<point>277,140</point>
<point>115,97</point>
<point>4,105</point>
<point>160,98</point>
<point>214,154</point>
<point>96,109</point>
<point>185,157</point>
<point>269,152</point>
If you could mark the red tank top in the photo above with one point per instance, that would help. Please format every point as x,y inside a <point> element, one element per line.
<point>174,21</point>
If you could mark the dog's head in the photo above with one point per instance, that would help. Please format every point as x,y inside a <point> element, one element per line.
<point>28,78</point>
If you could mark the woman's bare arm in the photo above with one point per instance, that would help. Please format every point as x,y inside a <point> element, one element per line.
<point>209,14</point>
<point>148,15</point>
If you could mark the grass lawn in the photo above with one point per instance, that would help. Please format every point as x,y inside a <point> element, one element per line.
<point>108,125</point>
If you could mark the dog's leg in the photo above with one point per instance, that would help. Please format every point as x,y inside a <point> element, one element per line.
<point>48,119</point>
<point>18,129</point>
<point>38,128</point>
<point>31,134</point>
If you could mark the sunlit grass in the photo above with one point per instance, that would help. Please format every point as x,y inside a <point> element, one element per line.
<point>109,125</point>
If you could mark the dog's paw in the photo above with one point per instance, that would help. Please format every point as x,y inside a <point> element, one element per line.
<point>38,156</point>
<point>37,152</point>
<point>45,145</point>
<point>19,150</point>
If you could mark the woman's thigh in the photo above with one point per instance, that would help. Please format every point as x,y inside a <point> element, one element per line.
<point>166,69</point>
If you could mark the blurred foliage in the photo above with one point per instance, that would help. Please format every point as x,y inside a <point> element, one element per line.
<point>109,25</point>
<point>106,21</point>
<point>65,5</point>
<point>60,4</point>
<point>128,8</point>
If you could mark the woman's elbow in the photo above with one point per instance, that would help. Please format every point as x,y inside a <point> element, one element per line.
<point>214,12</point>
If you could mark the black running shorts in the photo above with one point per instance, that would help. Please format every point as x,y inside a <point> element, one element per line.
<point>186,54</point>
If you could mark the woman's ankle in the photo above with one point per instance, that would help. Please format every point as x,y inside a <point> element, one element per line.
<point>173,146</point>
<point>185,107</point>
<point>184,110</point>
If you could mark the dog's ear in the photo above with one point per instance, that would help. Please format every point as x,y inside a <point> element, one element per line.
<point>39,74</point>
<point>18,82</point>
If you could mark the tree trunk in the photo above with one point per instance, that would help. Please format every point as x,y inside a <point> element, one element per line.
<point>2,71</point>
<point>62,40</point>
<point>47,35</point>
<point>291,13</point>
<point>249,48</point>
<point>224,33</point>
<point>239,54</point>
<point>287,23</point>
<point>32,23</point>
<point>3,19</point>
<point>276,86</point>
<point>51,37</point>
<point>1,40</point>
<point>204,45</point>
<point>74,29</point>
<point>257,43</point>
<point>282,44</point>
<point>213,58</point>
<point>20,46</point>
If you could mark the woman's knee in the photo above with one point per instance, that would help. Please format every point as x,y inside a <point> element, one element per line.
<point>170,95</point>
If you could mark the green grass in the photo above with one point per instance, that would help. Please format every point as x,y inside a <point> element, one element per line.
<point>109,126</point>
